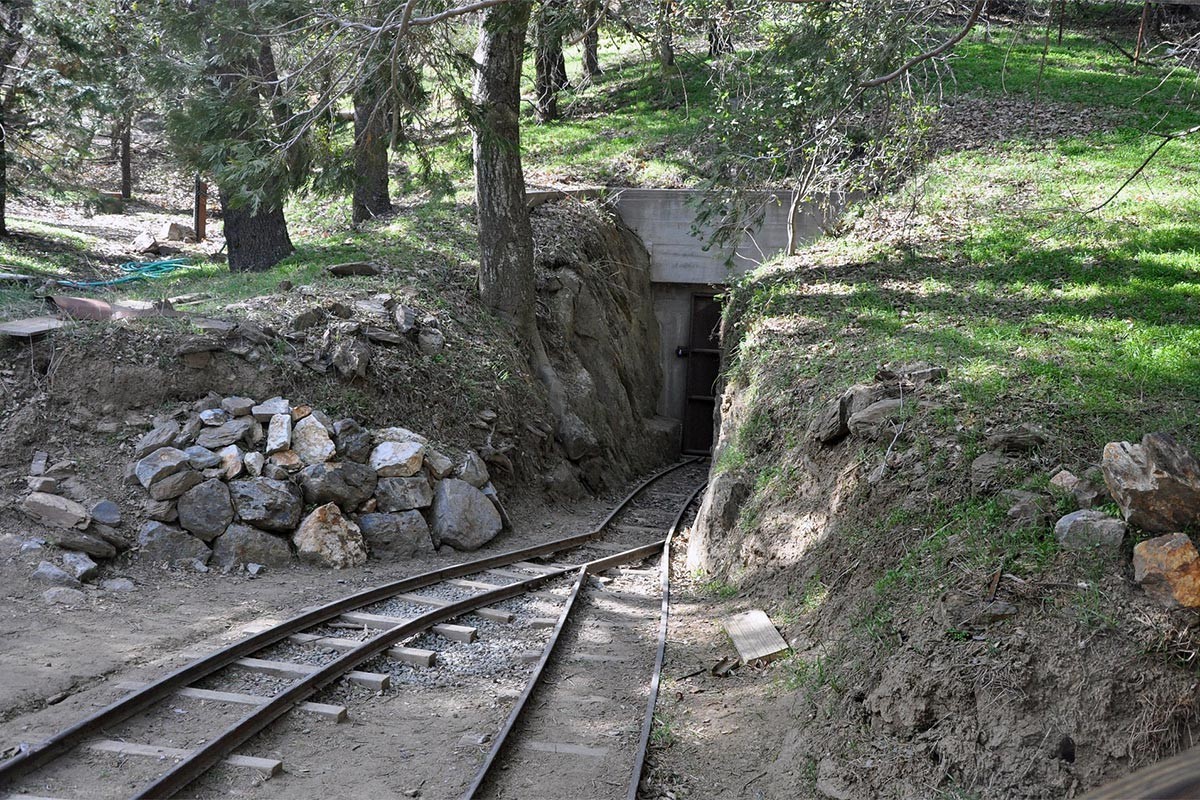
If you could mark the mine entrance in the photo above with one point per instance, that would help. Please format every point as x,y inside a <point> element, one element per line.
<point>703,356</point>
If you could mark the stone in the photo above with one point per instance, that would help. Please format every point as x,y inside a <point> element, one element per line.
<point>397,459</point>
<point>158,465</point>
<point>80,565</point>
<point>206,510</point>
<point>406,319</point>
<point>352,443</point>
<point>327,538</point>
<point>988,470</point>
<point>398,434</point>
<point>1087,530</point>
<point>269,408</point>
<point>38,465</point>
<point>348,484</point>
<point>311,441</point>
<point>224,435</point>
<point>172,486</point>
<point>267,504</point>
<point>861,396</point>
<point>403,494</point>
<point>381,336</point>
<point>162,436</point>
<point>351,359</point>
<point>162,543</point>
<point>323,418</point>
<point>576,437</point>
<point>561,481</point>
<point>214,417</point>
<point>1091,492</point>
<point>287,460</point>
<point>201,457</point>
<point>160,510</point>
<point>237,406</point>
<point>175,232</point>
<point>1017,439</point>
<point>188,433</point>
<point>50,509</point>
<point>361,268</point>
<point>489,491</point>
<point>1064,480</point>
<point>1168,569</point>
<point>300,412</point>
<point>231,461</point>
<point>279,433</point>
<point>438,464</point>
<point>1156,483</point>
<point>40,483</point>
<point>462,516</point>
<point>1026,509</point>
<point>830,425</point>
<point>61,469</point>
<point>64,596</point>
<point>48,573</point>
<point>118,585</point>
<point>108,534</point>
<point>241,544</point>
<point>254,462</point>
<point>872,420</point>
<point>275,472</point>
<point>29,545</point>
<point>472,470</point>
<point>391,536</point>
<point>430,342</point>
<point>307,319</point>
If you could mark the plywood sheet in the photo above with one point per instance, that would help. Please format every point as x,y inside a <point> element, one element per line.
<point>33,326</point>
<point>755,636</point>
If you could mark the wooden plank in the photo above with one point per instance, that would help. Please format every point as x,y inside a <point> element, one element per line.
<point>568,749</point>
<point>540,569</point>
<point>285,669</point>
<point>494,614</point>
<point>467,584</point>
<point>409,655</point>
<point>543,622</point>
<point>456,633</point>
<point>268,767</point>
<point>755,637</point>
<point>31,327</point>
<point>335,713</point>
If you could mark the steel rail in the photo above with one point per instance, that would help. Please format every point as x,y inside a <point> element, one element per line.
<point>660,655</point>
<point>120,710</point>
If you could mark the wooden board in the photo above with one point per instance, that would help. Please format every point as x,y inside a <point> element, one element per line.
<point>285,669</point>
<point>409,655</point>
<point>335,713</point>
<point>754,636</point>
<point>31,327</point>
<point>455,633</point>
<point>494,614</point>
<point>268,767</point>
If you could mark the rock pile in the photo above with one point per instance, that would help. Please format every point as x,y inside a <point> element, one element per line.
<point>240,482</point>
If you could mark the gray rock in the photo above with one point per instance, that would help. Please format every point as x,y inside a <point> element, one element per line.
<point>201,457</point>
<point>1156,483</point>
<point>118,585</point>
<point>255,463</point>
<point>267,504</point>
<point>162,436</point>
<point>1026,508</point>
<point>206,510</point>
<point>173,486</point>
<point>80,565</point>
<point>237,406</point>
<point>64,596</point>
<point>42,483</point>
<point>269,408</point>
<point>38,465</point>
<point>1087,529</point>
<point>55,511</point>
<point>563,482</point>
<point>462,516</point>
<point>108,534</point>
<point>406,319</point>
<point>48,573</point>
<point>279,434</point>
<point>327,538</point>
<point>438,464</point>
<point>987,471</point>
<point>188,433</point>
<point>873,419</point>
<point>214,417</point>
<point>398,434</point>
<point>352,442</point>
<point>241,544</point>
<point>391,536</point>
<point>311,441</point>
<point>489,491</point>
<point>430,341</point>
<point>29,545</point>
<point>161,463</point>
<point>348,484</point>
<point>224,435</point>
<point>403,494</point>
<point>350,359</point>
<point>160,510</point>
<point>472,470</point>
<point>106,512</point>
<point>1017,439</point>
<point>231,461</point>
<point>829,426</point>
<point>397,459</point>
<point>162,543</point>
<point>576,438</point>
<point>275,472</point>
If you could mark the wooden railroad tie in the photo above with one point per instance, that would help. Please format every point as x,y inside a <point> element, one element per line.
<point>455,633</point>
<point>494,614</point>
<point>408,655</point>
<point>286,669</point>
<point>267,767</point>
<point>335,713</point>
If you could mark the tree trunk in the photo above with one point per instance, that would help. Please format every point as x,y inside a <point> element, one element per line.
<point>547,75</point>
<point>665,35</point>
<point>506,275</point>
<point>256,241</point>
<point>126,156</point>
<point>3,173</point>
<point>371,134</point>
<point>591,40</point>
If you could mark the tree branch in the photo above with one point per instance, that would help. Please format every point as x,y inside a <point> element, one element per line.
<point>928,54</point>
<point>1167,138</point>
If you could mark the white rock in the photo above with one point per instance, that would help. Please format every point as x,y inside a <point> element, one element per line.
<point>311,441</point>
<point>397,434</point>
<point>269,408</point>
<point>279,434</point>
<point>327,538</point>
<point>254,463</point>
<point>397,459</point>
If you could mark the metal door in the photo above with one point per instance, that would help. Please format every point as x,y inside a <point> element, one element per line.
<point>703,370</point>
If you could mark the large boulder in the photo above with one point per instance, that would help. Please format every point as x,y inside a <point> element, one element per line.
<point>1168,569</point>
<point>158,543</point>
<point>1087,529</point>
<point>206,510</point>
<point>311,441</point>
<point>403,494</point>
<point>1156,483</point>
<point>348,484</point>
<point>241,544</point>
<point>397,459</point>
<point>400,535</point>
<point>329,539</point>
<point>59,512</point>
<point>265,503</point>
<point>462,516</point>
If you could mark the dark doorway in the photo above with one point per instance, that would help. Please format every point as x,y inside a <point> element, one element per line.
<point>703,368</point>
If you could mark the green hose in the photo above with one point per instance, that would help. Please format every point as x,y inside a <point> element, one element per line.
<point>134,271</point>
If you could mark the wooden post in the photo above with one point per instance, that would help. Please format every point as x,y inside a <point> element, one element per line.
<point>1137,49</point>
<point>200,208</point>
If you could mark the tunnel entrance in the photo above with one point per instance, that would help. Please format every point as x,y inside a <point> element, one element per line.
<point>703,355</point>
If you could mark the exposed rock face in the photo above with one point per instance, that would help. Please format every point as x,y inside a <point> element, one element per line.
<point>397,459</point>
<point>1156,483</point>
<point>329,539</point>
<point>1168,568</point>
<point>265,503</point>
<point>393,536</point>
<point>1087,529</point>
<point>206,510</point>
<point>348,484</point>
<point>311,441</point>
<point>56,511</point>
<point>158,543</point>
<point>160,464</point>
<point>241,544</point>
<point>462,516</point>
<point>403,494</point>
<point>718,514</point>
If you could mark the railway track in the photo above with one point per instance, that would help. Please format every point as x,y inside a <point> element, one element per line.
<point>133,742</point>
